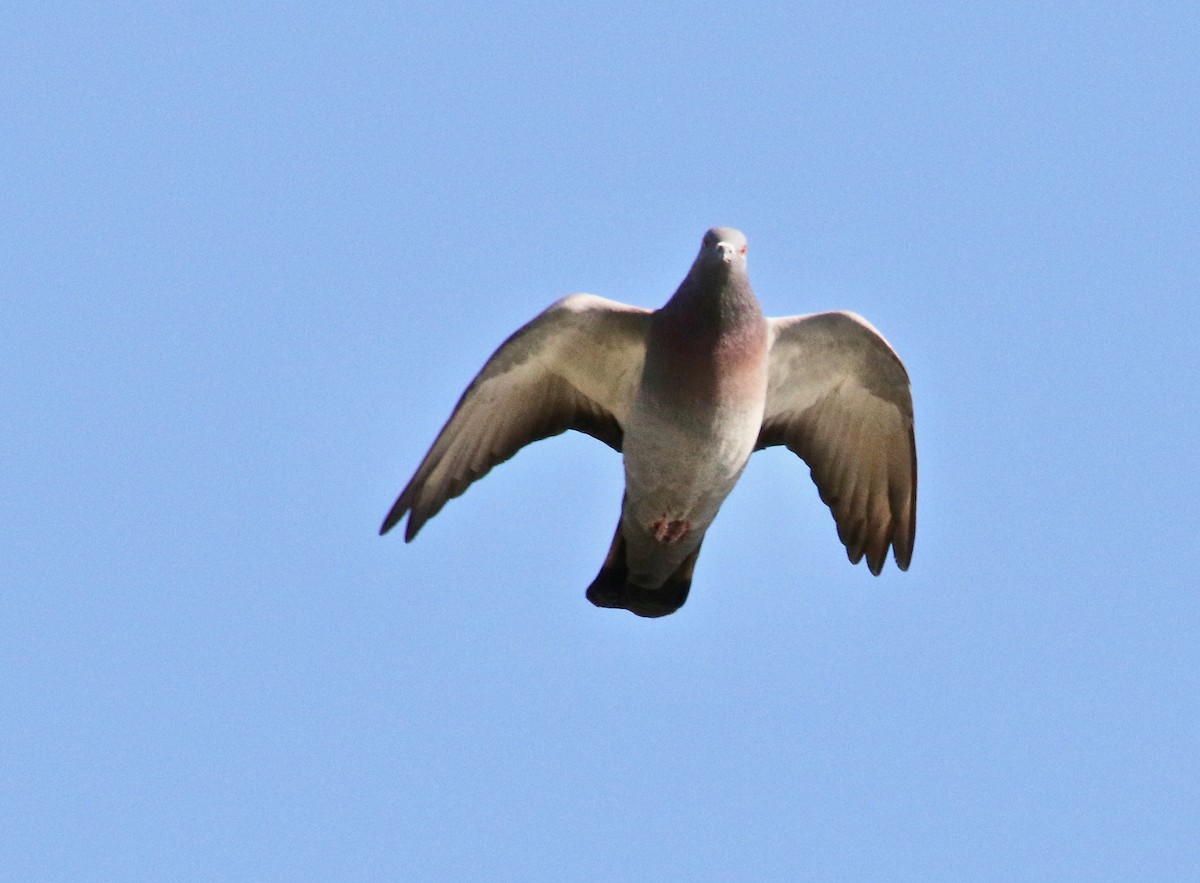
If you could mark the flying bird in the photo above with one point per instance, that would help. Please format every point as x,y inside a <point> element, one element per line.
<point>686,393</point>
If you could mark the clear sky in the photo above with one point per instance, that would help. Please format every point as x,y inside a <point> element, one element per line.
<point>250,255</point>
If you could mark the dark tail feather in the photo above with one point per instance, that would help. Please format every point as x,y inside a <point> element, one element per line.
<point>611,587</point>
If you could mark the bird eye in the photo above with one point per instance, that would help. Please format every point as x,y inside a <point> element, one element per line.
<point>743,249</point>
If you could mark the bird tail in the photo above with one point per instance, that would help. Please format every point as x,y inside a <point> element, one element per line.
<point>611,587</point>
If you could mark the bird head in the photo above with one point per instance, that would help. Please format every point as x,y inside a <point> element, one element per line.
<point>723,245</point>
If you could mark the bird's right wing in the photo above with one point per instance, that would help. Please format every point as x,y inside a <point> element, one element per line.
<point>575,366</point>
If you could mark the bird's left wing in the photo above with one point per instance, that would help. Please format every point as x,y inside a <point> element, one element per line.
<point>838,396</point>
<point>575,366</point>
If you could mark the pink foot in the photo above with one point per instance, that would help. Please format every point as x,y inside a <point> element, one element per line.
<point>671,532</point>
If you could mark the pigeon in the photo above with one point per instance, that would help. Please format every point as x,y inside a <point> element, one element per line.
<point>686,393</point>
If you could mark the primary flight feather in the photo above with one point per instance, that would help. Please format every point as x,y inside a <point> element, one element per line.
<point>686,393</point>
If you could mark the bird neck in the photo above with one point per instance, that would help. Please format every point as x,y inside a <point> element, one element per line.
<point>707,345</point>
<point>716,303</point>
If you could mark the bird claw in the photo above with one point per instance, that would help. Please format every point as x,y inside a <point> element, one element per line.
<point>671,531</point>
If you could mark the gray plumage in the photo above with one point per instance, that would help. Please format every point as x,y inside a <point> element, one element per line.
<point>687,393</point>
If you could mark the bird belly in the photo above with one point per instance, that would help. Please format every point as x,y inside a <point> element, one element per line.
<point>678,472</point>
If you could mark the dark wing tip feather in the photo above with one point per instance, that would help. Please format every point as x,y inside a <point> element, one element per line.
<point>394,515</point>
<point>403,506</point>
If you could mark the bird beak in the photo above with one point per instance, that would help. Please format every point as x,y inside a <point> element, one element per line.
<point>725,252</point>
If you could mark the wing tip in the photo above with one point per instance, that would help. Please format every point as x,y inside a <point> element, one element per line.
<point>396,515</point>
<point>410,530</point>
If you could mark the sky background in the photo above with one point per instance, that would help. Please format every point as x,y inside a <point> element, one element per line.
<point>250,255</point>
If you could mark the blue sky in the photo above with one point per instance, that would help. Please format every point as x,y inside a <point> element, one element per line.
<point>250,255</point>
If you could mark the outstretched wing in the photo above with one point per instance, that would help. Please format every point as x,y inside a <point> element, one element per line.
<point>575,366</point>
<point>839,397</point>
